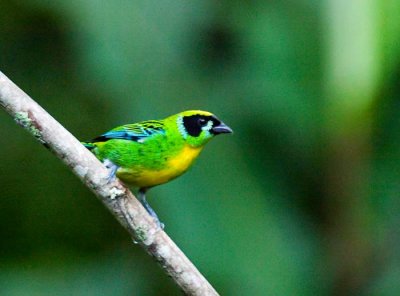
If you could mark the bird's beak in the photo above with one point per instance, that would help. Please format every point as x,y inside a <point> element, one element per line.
<point>221,128</point>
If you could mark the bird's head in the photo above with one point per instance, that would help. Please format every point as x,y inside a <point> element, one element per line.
<point>198,127</point>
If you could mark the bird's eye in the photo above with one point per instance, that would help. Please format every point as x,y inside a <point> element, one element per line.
<point>202,121</point>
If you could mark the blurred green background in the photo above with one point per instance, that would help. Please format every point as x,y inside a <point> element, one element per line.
<point>302,200</point>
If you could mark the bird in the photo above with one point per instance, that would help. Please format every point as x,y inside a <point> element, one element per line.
<point>153,152</point>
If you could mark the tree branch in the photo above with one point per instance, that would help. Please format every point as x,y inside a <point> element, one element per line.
<point>114,195</point>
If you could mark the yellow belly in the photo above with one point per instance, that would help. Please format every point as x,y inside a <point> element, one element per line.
<point>175,167</point>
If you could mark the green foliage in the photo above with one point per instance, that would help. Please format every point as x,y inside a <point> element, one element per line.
<point>301,200</point>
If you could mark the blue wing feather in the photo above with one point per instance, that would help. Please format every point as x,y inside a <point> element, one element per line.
<point>137,132</point>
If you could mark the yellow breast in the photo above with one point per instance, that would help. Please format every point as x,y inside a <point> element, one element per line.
<point>175,167</point>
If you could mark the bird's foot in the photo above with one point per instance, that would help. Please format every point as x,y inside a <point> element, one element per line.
<point>112,169</point>
<point>152,213</point>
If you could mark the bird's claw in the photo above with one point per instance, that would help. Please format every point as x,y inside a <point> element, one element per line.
<point>160,224</point>
<point>152,213</point>
<point>112,169</point>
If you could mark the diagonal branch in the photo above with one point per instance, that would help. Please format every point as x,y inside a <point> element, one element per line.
<point>114,195</point>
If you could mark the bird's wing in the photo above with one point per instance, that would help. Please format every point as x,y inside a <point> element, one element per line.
<point>137,132</point>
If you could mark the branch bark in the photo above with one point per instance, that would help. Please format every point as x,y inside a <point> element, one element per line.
<point>114,195</point>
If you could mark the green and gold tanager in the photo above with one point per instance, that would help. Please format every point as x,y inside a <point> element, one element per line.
<point>153,152</point>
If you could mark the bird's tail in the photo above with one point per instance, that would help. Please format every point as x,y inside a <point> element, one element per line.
<point>88,145</point>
